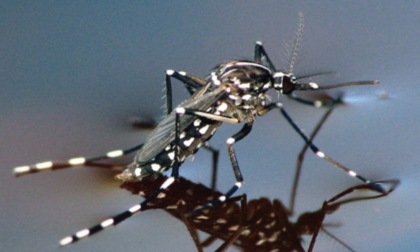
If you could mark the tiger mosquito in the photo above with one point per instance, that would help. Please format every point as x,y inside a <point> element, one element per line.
<point>234,92</point>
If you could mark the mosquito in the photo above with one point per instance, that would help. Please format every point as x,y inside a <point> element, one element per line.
<point>234,92</point>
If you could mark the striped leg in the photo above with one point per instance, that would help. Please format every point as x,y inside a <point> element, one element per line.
<point>138,207</point>
<point>235,166</point>
<point>301,154</point>
<point>72,162</point>
<point>192,84</point>
<point>180,111</point>
<point>115,219</point>
<point>316,150</point>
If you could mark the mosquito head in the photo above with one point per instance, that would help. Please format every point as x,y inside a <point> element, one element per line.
<point>285,83</point>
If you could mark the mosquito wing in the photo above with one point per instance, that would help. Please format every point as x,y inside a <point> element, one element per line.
<point>164,133</point>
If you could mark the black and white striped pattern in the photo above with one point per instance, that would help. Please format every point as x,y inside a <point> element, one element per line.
<point>72,162</point>
<point>234,92</point>
<point>115,219</point>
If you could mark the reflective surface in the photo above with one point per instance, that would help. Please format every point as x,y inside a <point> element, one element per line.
<point>72,74</point>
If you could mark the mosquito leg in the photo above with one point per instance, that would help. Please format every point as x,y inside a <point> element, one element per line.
<point>72,162</point>
<point>192,84</point>
<point>301,157</point>
<point>180,111</point>
<point>111,167</point>
<point>261,56</point>
<point>318,103</point>
<point>134,209</point>
<point>315,149</point>
<point>215,161</point>
<point>235,166</point>
<point>115,219</point>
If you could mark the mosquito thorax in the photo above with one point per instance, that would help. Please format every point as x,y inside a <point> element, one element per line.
<point>248,82</point>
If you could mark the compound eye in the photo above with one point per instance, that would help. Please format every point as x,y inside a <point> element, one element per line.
<point>288,84</point>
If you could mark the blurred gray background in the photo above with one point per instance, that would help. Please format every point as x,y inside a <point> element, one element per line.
<point>73,73</point>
